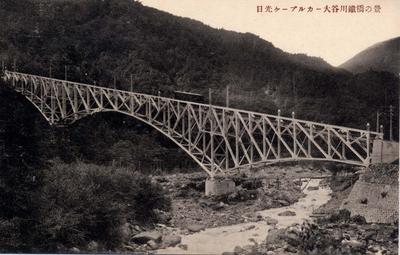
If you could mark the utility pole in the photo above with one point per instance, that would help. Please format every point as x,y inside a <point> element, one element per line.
<point>391,123</point>
<point>209,96</point>
<point>50,71</point>
<point>294,92</point>
<point>15,65</point>
<point>66,73</point>
<point>131,82</point>
<point>377,121</point>
<point>115,82</point>
<point>2,66</point>
<point>368,139</point>
<point>227,96</point>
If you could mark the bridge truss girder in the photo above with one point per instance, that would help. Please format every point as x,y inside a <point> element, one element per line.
<point>219,139</point>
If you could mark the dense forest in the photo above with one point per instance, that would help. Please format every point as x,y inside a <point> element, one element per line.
<point>97,41</point>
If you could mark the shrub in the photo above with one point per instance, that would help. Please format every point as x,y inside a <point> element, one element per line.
<point>343,215</point>
<point>358,219</point>
<point>10,239</point>
<point>332,167</point>
<point>82,202</point>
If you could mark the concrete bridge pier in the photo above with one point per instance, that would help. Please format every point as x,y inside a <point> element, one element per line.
<point>384,151</point>
<point>218,187</point>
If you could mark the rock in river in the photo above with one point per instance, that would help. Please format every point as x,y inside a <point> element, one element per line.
<point>171,240</point>
<point>353,243</point>
<point>287,213</point>
<point>271,221</point>
<point>153,245</point>
<point>183,246</point>
<point>146,236</point>
<point>283,202</point>
<point>195,227</point>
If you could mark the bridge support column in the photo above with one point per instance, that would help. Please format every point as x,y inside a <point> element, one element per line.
<point>384,151</point>
<point>218,187</point>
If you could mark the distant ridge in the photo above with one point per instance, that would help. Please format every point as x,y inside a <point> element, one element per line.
<point>383,56</point>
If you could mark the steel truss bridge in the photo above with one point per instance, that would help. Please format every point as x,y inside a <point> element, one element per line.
<point>219,139</point>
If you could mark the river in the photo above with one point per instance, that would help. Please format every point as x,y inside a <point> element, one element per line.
<point>225,239</point>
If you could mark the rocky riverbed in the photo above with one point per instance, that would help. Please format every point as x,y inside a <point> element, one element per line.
<point>339,231</point>
<point>336,234</point>
<point>267,188</point>
<point>265,200</point>
<point>231,238</point>
<point>276,210</point>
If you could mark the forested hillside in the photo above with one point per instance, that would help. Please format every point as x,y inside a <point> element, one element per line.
<point>100,40</point>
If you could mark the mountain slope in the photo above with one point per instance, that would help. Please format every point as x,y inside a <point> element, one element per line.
<point>383,56</point>
<point>101,40</point>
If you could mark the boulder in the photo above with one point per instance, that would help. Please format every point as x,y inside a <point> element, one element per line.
<point>93,246</point>
<point>183,246</point>
<point>132,247</point>
<point>218,206</point>
<point>287,213</point>
<point>153,245</point>
<point>252,217</point>
<point>146,236</point>
<point>293,239</point>
<point>205,203</point>
<point>163,217</point>
<point>125,231</point>
<point>370,235</point>
<point>137,228</point>
<point>275,236</point>
<point>265,203</point>
<point>171,240</point>
<point>238,249</point>
<point>61,247</point>
<point>374,248</point>
<point>290,249</point>
<point>195,228</point>
<point>249,227</point>
<point>283,202</point>
<point>337,235</point>
<point>271,221</point>
<point>313,188</point>
<point>74,250</point>
<point>352,243</point>
<point>252,240</point>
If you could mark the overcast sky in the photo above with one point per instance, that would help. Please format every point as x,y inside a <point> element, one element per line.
<point>334,37</point>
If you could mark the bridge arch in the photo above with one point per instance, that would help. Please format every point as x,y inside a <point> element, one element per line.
<point>219,139</point>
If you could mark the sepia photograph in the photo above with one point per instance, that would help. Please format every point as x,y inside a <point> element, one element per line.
<point>227,127</point>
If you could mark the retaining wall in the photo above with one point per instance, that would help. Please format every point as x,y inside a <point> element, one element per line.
<point>375,195</point>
